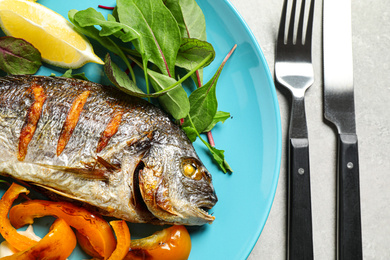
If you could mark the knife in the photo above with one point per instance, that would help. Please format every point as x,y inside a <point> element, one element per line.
<point>339,109</point>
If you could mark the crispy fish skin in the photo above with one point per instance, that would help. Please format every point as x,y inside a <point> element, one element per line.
<point>96,145</point>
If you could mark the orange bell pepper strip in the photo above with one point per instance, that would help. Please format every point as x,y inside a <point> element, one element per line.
<point>170,243</point>
<point>94,228</point>
<point>85,244</point>
<point>57,244</point>
<point>123,239</point>
<point>8,232</point>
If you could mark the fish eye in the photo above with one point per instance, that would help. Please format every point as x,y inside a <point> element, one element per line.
<point>190,169</point>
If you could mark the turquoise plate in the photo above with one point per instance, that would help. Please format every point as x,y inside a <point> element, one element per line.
<point>251,138</point>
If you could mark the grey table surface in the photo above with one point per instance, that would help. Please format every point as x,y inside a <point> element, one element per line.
<point>371,53</point>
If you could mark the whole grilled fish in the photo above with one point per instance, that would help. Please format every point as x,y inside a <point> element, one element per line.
<point>96,145</point>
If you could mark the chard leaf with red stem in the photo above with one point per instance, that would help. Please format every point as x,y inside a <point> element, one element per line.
<point>18,56</point>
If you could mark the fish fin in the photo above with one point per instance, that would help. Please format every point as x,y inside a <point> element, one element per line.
<point>110,167</point>
<point>85,173</point>
<point>66,195</point>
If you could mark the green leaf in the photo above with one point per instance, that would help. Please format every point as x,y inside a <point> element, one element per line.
<point>94,33</point>
<point>219,157</point>
<point>189,17</point>
<point>203,101</point>
<point>158,30</point>
<point>68,74</point>
<point>191,133</point>
<point>192,52</point>
<point>18,56</point>
<point>220,116</point>
<point>120,79</point>
<point>194,18</point>
<point>203,106</point>
<point>165,79</point>
<point>192,24</point>
<point>91,17</point>
<point>175,8</point>
<point>175,101</point>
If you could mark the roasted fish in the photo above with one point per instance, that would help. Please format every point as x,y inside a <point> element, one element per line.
<point>95,145</point>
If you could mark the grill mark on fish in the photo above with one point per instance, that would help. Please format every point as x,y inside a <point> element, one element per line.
<point>71,120</point>
<point>110,130</point>
<point>33,115</point>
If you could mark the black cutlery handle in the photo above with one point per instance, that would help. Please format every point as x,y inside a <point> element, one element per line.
<point>300,237</point>
<point>349,219</point>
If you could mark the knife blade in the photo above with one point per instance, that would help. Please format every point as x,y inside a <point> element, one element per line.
<point>339,109</point>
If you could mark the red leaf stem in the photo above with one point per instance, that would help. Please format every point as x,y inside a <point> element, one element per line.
<point>209,134</point>
<point>211,139</point>
<point>106,7</point>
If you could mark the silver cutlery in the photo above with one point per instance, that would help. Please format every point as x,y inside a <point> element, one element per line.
<point>339,109</point>
<point>294,71</point>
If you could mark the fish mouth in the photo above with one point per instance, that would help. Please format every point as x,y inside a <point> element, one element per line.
<point>202,208</point>
<point>202,214</point>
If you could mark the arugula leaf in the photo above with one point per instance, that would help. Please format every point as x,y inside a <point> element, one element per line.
<point>158,30</point>
<point>220,116</point>
<point>18,56</point>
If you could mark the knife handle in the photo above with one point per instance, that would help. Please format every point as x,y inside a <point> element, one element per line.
<point>300,237</point>
<point>349,219</point>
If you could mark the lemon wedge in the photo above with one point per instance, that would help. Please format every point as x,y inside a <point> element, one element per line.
<point>54,36</point>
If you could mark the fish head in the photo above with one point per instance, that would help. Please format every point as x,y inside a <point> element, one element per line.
<point>176,187</point>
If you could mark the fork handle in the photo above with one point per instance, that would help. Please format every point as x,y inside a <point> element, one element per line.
<point>349,219</point>
<point>300,238</point>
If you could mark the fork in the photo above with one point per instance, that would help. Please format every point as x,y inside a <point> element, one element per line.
<point>294,71</point>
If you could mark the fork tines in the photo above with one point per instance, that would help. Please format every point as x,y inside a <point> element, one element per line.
<point>299,38</point>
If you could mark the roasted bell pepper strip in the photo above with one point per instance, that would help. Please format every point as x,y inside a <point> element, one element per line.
<point>170,243</point>
<point>57,244</point>
<point>86,246</point>
<point>93,227</point>
<point>123,239</point>
<point>8,232</point>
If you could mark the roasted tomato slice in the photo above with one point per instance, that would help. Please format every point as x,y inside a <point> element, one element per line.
<point>8,232</point>
<point>170,243</point>
<point>57,244</point>
<point>94,228</point>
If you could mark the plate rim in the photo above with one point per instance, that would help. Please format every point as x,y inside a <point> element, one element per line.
<point>275,179</point>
